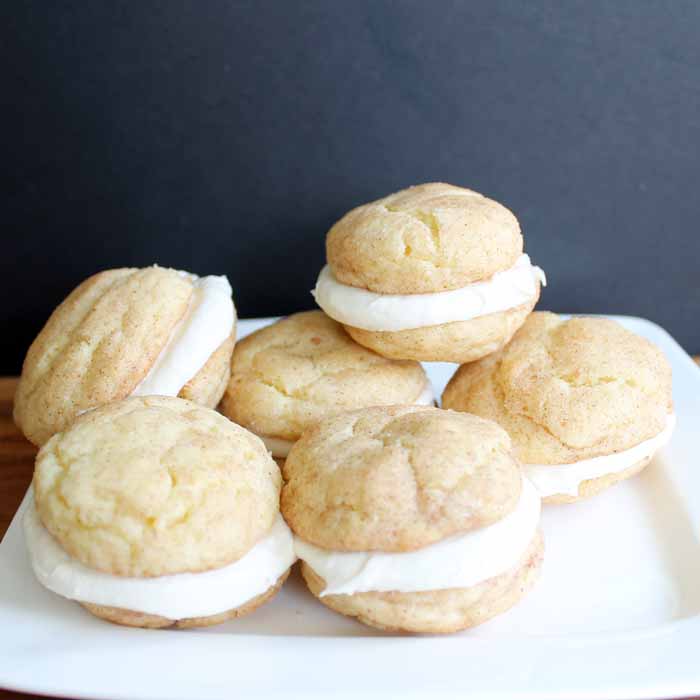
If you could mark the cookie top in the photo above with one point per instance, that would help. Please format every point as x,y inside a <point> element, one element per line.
<point>398,478</point>
<point>98,345</point>
<point>156,485</point>
<point>567,390</point>
<point>427,238</point>
<point>289,375</point>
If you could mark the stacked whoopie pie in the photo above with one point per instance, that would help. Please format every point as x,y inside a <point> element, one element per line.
<point>434,272</point>
<point>151,509</point>
<point>291,374</point>
<point>586,402</point>
<point>154,512</point>
<point>412,518</point>
<point>127,332</point>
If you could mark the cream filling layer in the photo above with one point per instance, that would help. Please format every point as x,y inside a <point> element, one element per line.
<point>460,561</point>
<point>175,596</point>
<point>361,308</point>
<point>207,324</point>
<point>565,479</point>
<point>279,447</point>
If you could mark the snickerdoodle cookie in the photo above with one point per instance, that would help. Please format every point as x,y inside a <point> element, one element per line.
<point>155,511</point>
<point>122,333</point>
<point>586,402</point>
<point>412,518</point>
<point>434,272</point>
<point>289,375</point>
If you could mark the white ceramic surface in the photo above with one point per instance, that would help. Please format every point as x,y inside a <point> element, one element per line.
<point>616,613</point>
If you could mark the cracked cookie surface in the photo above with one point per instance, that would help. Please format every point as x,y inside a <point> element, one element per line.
<point>398,478</point>
<point>154,486</point>
<point>290,375</point>
<point>428,238</point>
<point>567,390</point>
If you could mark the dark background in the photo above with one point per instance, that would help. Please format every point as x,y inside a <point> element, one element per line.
<point>225,137</point>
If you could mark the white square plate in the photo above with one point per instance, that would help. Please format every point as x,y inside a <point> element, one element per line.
<point>616,613</point>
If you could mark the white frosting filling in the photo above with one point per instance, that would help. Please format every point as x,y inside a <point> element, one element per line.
<point>177,596</point>
<point>279,447</point>
<point>207,323</point>
<point>459,561</point>
<point>565,479</point>
<point>427,396</point>
<point>361,308</point>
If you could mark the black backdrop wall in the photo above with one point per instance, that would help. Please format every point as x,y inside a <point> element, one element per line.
<point>227,136</point>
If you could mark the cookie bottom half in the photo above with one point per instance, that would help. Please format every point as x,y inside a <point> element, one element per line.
<point>592,487</point>
<point>131,618</point>
<point>437,612</point>
<point>209,384</point>
<point>460,341</point>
